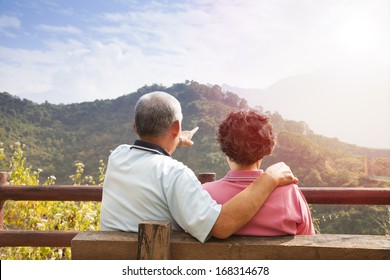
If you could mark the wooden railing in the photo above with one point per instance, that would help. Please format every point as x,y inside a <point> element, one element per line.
<point>363,196</point>
<point>156,241</point>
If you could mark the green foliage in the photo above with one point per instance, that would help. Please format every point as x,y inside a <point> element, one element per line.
<point>382,167</point>
<point>60,136</point>
<point>45,215</point>
<point>384,222</point>
<point>346,219</point>
<point>15,163</point>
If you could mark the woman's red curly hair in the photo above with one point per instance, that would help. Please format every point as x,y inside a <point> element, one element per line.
<point>246,136</point>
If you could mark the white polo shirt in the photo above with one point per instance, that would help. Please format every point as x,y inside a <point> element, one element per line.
<point>143,182</point>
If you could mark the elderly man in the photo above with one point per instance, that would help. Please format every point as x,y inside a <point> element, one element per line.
<point>143,181</point>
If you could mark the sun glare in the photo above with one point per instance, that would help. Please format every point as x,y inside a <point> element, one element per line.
<point>360,35</point>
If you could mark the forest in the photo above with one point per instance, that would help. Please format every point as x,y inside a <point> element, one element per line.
<point>58,136</point>
<point>69,144</point>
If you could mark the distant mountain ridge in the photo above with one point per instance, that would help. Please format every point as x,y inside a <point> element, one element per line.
<point>58,136</point>
<point>337,102</point>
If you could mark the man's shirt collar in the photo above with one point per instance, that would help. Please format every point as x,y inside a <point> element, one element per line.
<point>150,147</point>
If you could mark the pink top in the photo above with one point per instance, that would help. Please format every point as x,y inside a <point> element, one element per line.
<point>285,212</point>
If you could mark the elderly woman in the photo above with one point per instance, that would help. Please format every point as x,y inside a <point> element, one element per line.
<point>245,137</point>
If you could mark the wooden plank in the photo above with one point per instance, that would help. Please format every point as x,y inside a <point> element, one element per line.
<point>36,238</point>
<point>97,245</point>
<point>154,240</point>
<point>206,177</point>
<point>300,247</point>
<point>105,245</point>
<point>337,195</point>
<point>318,195</point>
<point>313,195</point>
<point>51,193</point>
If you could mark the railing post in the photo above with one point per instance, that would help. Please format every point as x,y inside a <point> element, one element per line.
<point>369,167</point>
<point>3,178</point>
<point>206,177</point>
<point>154,240</point>
<point>3,182</point>
<point>2,203</point>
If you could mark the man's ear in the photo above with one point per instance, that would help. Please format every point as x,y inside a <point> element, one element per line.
<point>175,128</point>
<point>135,129</point>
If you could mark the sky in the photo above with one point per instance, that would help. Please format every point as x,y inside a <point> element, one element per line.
<point>75,51</point>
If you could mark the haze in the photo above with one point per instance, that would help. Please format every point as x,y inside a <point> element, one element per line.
<point>75,51</point>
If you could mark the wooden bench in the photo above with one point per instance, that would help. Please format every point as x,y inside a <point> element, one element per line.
<point>156,241</point>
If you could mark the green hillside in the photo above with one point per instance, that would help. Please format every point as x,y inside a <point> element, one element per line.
<point>58,136</point>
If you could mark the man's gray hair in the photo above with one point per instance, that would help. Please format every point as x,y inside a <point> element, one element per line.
<point>155,113</point>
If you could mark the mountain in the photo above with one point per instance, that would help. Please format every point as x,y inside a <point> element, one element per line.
<point>348,102</point>
<point>58,136</point>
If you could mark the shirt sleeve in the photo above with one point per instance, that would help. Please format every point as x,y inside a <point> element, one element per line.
<point>191,206</point>
<point>306,226</point>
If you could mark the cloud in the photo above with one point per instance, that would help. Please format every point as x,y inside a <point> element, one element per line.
<point>88,54</point>
<point>71,30</point>
<point>8,22</point>
<point>227,40</point>
<point>73,69</point>
<point>243,43</point>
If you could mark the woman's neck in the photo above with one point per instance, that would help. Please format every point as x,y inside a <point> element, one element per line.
<point>236,166</point>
